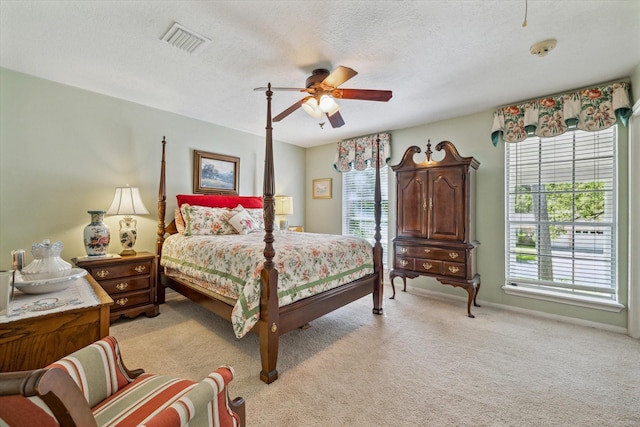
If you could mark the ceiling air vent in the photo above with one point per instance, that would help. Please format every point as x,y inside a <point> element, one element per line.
<point>185,39</point>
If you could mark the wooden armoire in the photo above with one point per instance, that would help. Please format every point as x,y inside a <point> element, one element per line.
<point>435,233</point>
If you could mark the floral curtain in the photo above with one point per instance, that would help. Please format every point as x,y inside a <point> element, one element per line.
<point>587,109</point>
<point>360,153</point>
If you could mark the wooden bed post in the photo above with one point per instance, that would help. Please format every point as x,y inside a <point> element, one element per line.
<point>269,322</point>
<point>162,206</point>
<point>377,249</point>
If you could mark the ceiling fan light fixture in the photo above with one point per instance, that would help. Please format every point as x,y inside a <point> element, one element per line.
<point>311,107</point>
<point>328,105</point>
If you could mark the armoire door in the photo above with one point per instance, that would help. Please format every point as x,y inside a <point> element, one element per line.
<point>446,212</point>
<point>412,204</point>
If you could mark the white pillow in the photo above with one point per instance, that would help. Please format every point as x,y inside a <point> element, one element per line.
<point>242,222</point>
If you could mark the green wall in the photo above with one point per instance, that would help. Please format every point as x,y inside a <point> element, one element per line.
<point>471,136</point>
<point>63,150</point>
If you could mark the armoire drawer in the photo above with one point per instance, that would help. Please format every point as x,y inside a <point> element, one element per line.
<point>429,252</point>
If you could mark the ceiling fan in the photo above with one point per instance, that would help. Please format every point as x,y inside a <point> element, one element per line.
<point>322,88</point>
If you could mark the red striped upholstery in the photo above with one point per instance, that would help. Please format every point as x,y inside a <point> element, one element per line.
<point>148,400</point>
<point>97,369</point>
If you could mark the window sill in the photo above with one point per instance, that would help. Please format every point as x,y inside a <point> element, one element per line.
<point>563,299</point>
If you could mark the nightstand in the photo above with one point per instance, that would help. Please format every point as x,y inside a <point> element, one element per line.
<point>129,280</point>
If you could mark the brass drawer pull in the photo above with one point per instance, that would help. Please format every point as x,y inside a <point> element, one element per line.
<point>140,268</point>
<point>122,301</point>
<point>403,250</point>
<point>404,262</point>
<point>102,273</point>
<point>427,266</point>
<point>453,269</point>
<point>427,250</point>
<point>453,255</point>
<point>122,286</point>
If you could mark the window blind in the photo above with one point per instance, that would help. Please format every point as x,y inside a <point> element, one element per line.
<point>561,213</point>
<point>358,216</point>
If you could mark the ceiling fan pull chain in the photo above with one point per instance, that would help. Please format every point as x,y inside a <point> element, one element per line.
<point>526,7</point>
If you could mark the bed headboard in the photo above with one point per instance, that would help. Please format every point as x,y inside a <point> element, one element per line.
<point>220,201</point>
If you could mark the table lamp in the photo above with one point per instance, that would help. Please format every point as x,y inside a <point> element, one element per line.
<point>127,202</point>
<point>284,207</point>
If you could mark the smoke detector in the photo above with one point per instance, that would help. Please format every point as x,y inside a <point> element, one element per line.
<point>543,48</point>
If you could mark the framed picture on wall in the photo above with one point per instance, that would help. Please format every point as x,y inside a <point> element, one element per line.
<point>215,173</point>
<point>322,188</point>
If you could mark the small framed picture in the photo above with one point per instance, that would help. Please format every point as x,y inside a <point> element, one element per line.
<point>215,173</point>
<point>322,188</point>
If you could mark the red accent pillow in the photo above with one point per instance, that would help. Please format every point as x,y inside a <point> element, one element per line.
<point>220,201</point>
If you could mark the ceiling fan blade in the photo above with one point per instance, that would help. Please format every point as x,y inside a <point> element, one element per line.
<point>339,76</point>
<point>364,94</point>
<point>294,89</point>
<point>290,110</point>
<point>336,119</point>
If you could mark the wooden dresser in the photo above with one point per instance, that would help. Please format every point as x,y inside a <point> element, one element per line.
<point>129,280</point>
<point>35,342</point>
<point>435,233</point>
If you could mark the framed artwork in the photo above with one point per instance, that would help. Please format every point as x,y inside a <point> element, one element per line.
<point>322,188</point>
<point>215,173</point>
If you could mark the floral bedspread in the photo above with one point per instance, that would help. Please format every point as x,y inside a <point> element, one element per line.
<point>307,263</point>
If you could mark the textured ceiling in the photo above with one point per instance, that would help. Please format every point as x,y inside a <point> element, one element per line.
<point>441,59</point>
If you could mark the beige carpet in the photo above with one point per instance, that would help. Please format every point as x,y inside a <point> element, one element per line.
<point>423,363</point>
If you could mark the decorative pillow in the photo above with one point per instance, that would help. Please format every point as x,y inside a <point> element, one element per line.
<point>179,220</point>
<point>201,220</point>
<point>258,218</point>
<point>241,221</point>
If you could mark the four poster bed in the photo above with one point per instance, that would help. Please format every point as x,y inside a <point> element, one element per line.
<point>287,287</point>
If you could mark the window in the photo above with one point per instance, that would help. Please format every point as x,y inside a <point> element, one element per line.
<point>358,218</point>
<point>561,215</point>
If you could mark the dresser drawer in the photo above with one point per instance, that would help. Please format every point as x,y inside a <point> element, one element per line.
<point>129,300</point>
<point>404,262</point>
<point>125,284</point>
<point>454,269</point>
<point>429,252</point>
<point>428,266</point>
<point>124,270</point>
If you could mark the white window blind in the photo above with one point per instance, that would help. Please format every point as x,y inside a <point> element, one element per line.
<point>358,218</point>
<point>561,213</point>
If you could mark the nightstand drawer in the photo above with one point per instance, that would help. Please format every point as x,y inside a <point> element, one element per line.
<point>130,281</point>
<point>129,300</point>
<point>125,284</point>
<point>126,270</point>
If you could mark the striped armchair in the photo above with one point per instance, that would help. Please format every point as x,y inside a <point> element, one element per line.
<point>92,387</point>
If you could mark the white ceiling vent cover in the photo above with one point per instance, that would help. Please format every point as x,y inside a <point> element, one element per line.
<point>185,39</point>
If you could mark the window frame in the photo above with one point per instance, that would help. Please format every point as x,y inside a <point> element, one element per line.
<point>574,294</point>
<point>347,205</point>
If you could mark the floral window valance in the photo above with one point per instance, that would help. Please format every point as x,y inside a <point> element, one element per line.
<point>589,109</point>
<point>360,153</point>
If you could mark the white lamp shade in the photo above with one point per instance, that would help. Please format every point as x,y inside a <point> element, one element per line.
<point>328,105</point>
<point>312,108</point>
<point>127,201</point>
<point>284,205</point>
